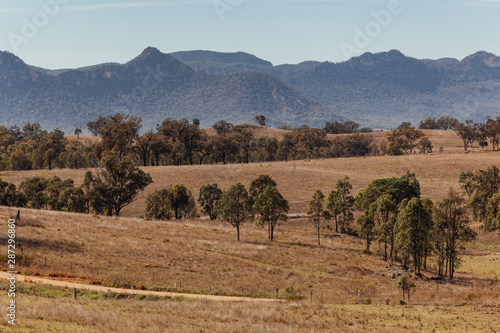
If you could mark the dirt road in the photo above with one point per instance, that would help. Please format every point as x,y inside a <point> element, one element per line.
<point>71,285</point>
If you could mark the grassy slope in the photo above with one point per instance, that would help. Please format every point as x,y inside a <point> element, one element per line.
<point>204,256</point>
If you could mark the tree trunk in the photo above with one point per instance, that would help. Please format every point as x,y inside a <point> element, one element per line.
<point>392,252</point>
<point>238,231</point>
<point>425,258</point>
<point>318,237</point>
<point>452,268</point>
<point>446,267</point>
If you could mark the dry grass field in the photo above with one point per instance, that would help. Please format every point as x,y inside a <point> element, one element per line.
<point>343,289</point>
<point>350,290</point>
<point>42,314</point>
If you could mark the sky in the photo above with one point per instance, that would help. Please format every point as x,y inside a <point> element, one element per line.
<point>56,34</point>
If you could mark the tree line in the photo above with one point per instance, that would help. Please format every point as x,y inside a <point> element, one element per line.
<point>174,142</point>
<point>182,142</point>
<point>31,148</point>
<point>470,132</point>
<point>103,192</point>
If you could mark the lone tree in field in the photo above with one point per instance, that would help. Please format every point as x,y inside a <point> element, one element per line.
<point>406,285</point>
<point>181,200</point>
<point>452,231</point>
<point>209,196</point>
<point>258,185</point>
<point>404,138</point>
<point>78,131</point>
<point>158,205</point>
<point>333,206</point>
<point>234,207</point>
<point>175,201</point>
<point>272,209</point>
<point>468,132</point>
<point>467,183</point>
<point>261,120</point>
<point>316,211</point>
<point>117,185</point>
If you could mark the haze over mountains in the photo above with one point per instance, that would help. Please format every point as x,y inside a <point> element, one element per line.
<point>384,89</point>
<point>378,90</point>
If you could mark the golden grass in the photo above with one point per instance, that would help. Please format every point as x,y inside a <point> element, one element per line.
<point>65,315</point>
<point>204,257</point>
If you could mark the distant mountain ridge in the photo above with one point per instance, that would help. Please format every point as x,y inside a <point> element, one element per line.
<point>154,86</point>
<point>387,88</point>
<point>379,90</point>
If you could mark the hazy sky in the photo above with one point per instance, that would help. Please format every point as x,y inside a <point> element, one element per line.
<point>72,33</point>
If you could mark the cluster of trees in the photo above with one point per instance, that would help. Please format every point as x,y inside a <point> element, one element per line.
<point>105,192</point>
<point>445,123</point>
<point>406,138</point>
<point>347,127</point>
<point>263,203</point>
<point>175,202</point>
<point>340,208</point>
<point>411,228</point>
<point>33,148</point>
<point>180,142</point>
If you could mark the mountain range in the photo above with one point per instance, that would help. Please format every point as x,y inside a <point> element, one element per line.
<point>377,90</point>
<point>383,89</point>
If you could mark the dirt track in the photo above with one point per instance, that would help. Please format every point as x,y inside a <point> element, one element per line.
<point>32,279</point>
